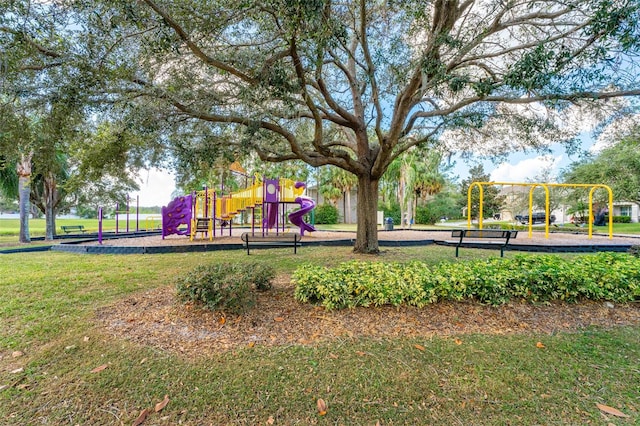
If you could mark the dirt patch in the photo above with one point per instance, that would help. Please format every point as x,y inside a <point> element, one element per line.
<point>155,318</point>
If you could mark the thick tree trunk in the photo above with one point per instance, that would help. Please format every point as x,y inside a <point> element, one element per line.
<point>50,197</point>
<point>367,235</point>
<point>24,192</point>
<point>50,221</point>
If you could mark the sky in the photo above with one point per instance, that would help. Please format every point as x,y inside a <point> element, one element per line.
<point>520,167</point>
<point>156,187</point>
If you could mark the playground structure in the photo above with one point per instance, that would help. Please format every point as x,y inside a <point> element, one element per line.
<point>545,186</point>
<point>203,211</point>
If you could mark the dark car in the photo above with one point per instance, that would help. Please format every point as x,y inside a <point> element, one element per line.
<point>536,218</point>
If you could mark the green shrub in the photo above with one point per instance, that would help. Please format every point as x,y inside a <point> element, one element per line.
<point>392,210</point>
<point>618,219</point>
<point>357,283</point>
<point>224,286</point>
<point>326,214</point>
<point>427,216</point>
<point>539,278</point>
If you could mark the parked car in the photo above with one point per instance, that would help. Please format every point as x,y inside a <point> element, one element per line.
<point>536,218</point>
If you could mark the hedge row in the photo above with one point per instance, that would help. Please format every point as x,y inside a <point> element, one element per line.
<point>538,278</point>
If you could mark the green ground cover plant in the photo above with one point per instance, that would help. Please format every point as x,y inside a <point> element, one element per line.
<point>48,303</point>
<point>535,278</point>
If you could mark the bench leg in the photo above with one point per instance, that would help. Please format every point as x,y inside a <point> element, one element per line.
<point>457,247</point>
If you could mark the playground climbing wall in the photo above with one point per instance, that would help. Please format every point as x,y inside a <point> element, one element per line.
<point>176,214</point>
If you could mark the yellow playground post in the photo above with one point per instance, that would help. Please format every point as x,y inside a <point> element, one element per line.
<point>545,186</point>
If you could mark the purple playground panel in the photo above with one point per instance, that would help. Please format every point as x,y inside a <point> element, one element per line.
<point>271,189</point>
<point>177,213</point>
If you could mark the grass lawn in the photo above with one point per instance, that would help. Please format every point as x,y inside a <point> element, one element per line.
<point>11,227</point>
<point>47,311</point>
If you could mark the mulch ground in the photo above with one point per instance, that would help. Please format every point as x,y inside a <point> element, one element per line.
<point>155,318</point>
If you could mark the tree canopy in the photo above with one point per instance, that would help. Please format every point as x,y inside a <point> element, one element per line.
<point>617,166</point>
<point>354,84</point>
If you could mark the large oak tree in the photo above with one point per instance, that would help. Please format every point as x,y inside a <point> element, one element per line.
<point>356,83</point>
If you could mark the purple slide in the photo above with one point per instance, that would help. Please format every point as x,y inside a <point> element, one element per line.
<point>272,215</point>
<point>306,205</point>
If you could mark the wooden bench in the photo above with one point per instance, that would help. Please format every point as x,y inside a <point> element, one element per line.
<point>271,240</point>
<point>67,229</point>
<point>484,233</point>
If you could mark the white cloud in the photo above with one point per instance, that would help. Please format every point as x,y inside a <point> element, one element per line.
<point>156,187</point>
<point>526,170</point>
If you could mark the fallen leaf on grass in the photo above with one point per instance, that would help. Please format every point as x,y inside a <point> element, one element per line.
<point>458,341</point>
<point>251,344</point>
<point>222,320</point>
<point>142,417</point>
<point>361,353</point>
<point>100,368</point>
<point>271,420</point>
<point>17,354</point>
<point>278,319</point>
<point>611,410</point>
<point>160,405</point>
<point>322,407</point>
<point>540,345</point>
<point>419,347</point>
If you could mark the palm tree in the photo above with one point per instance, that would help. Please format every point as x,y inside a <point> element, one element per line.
<point>327,187</point>
<point>345,182</point>
<point>15,142</point>
<point>413,175</point>
<point>8,180</point>
<point>23,170</point>
<point>429,179</point>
